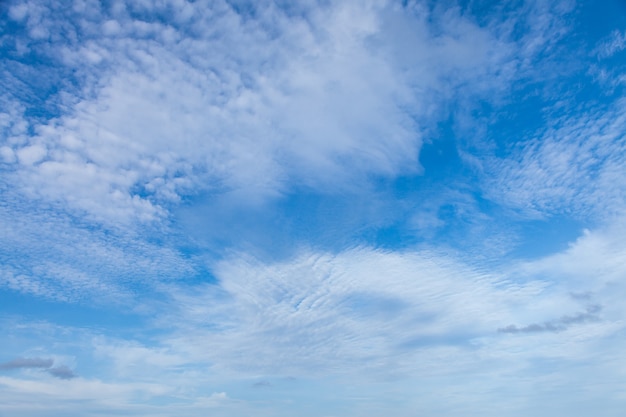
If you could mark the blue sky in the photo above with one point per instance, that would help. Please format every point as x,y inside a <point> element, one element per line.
<point>351,208</point>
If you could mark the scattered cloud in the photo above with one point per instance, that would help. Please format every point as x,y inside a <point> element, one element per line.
<point>382,118</point>
<point>61,371</point>
<point>615,43</point>
<point>360,309</point>
<point>27,363</point>
<point>573,168</point>
<point>321,100</point>
<point>557,325</point>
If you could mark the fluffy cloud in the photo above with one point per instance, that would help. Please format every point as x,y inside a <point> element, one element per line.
<point>319,96</point>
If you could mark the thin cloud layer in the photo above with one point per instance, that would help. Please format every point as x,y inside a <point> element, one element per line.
<point>575,168</point>
<point>308,208</point>
<point>358,310</point>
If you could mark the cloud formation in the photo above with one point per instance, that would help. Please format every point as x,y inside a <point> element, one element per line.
<point>19,363</point>
<point>615,43</point>
<point>574,168</point>
<point>320,97</point>
<point>157,157</point>
<point>363,308</point>
<point>61,371</point>
<point>557,325</point>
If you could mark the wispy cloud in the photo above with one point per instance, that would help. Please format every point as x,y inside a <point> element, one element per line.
<point>27,363</point>
<point>46,254</point>
<point>150,105</point>
<point>574,168</point>
<point>262,384</point>
<point>61,371</point>
<point>558,325</point>
<point>615,43</point>
<point>369,315</point>
<point>361,308</point>
<point>144,145</point>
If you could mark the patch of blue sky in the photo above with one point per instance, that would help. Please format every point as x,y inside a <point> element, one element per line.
<point>594,24</point>
<point>283,226</point>
<point>31,308</point>
<point>32,72</point>
<point>538,238</point>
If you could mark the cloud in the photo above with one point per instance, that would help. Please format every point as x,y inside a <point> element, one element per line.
<point>557,325</point>
<point>359,311</point>
<point>573,168</point>
<point>161,107</point>
<point>216,399</point>
<point>61,372</point>
<point>143,109</point>
<point>367,315</point>
<point>132,358</point>
<point>19,363</point>
<point>117,115</point>
<point>96,394</point>
<point>211,114</point>
<point>614,44</point>
<point>53,257</point>
<point>372,312</point>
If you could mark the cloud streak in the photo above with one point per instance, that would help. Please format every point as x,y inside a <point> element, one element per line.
<point>558,325</point>
<point>19,363</point>
<point>61,371</point>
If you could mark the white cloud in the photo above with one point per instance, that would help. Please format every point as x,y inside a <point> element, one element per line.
<point>614,44</point>
<point>49,255</point>
<point>8,156</point>
<point>574,168</point>
<point>361,312</point>
<point>30,155</point>
<point>369,315</point>
<point>139,362</point>
<point>323,98</point>
<point>58,396</point>
<point>593,266</point>
<point>54,396</point>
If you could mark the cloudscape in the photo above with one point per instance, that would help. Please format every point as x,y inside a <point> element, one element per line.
<point>312,208</point>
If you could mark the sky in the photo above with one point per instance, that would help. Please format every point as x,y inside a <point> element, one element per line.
<point>312,208</point>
